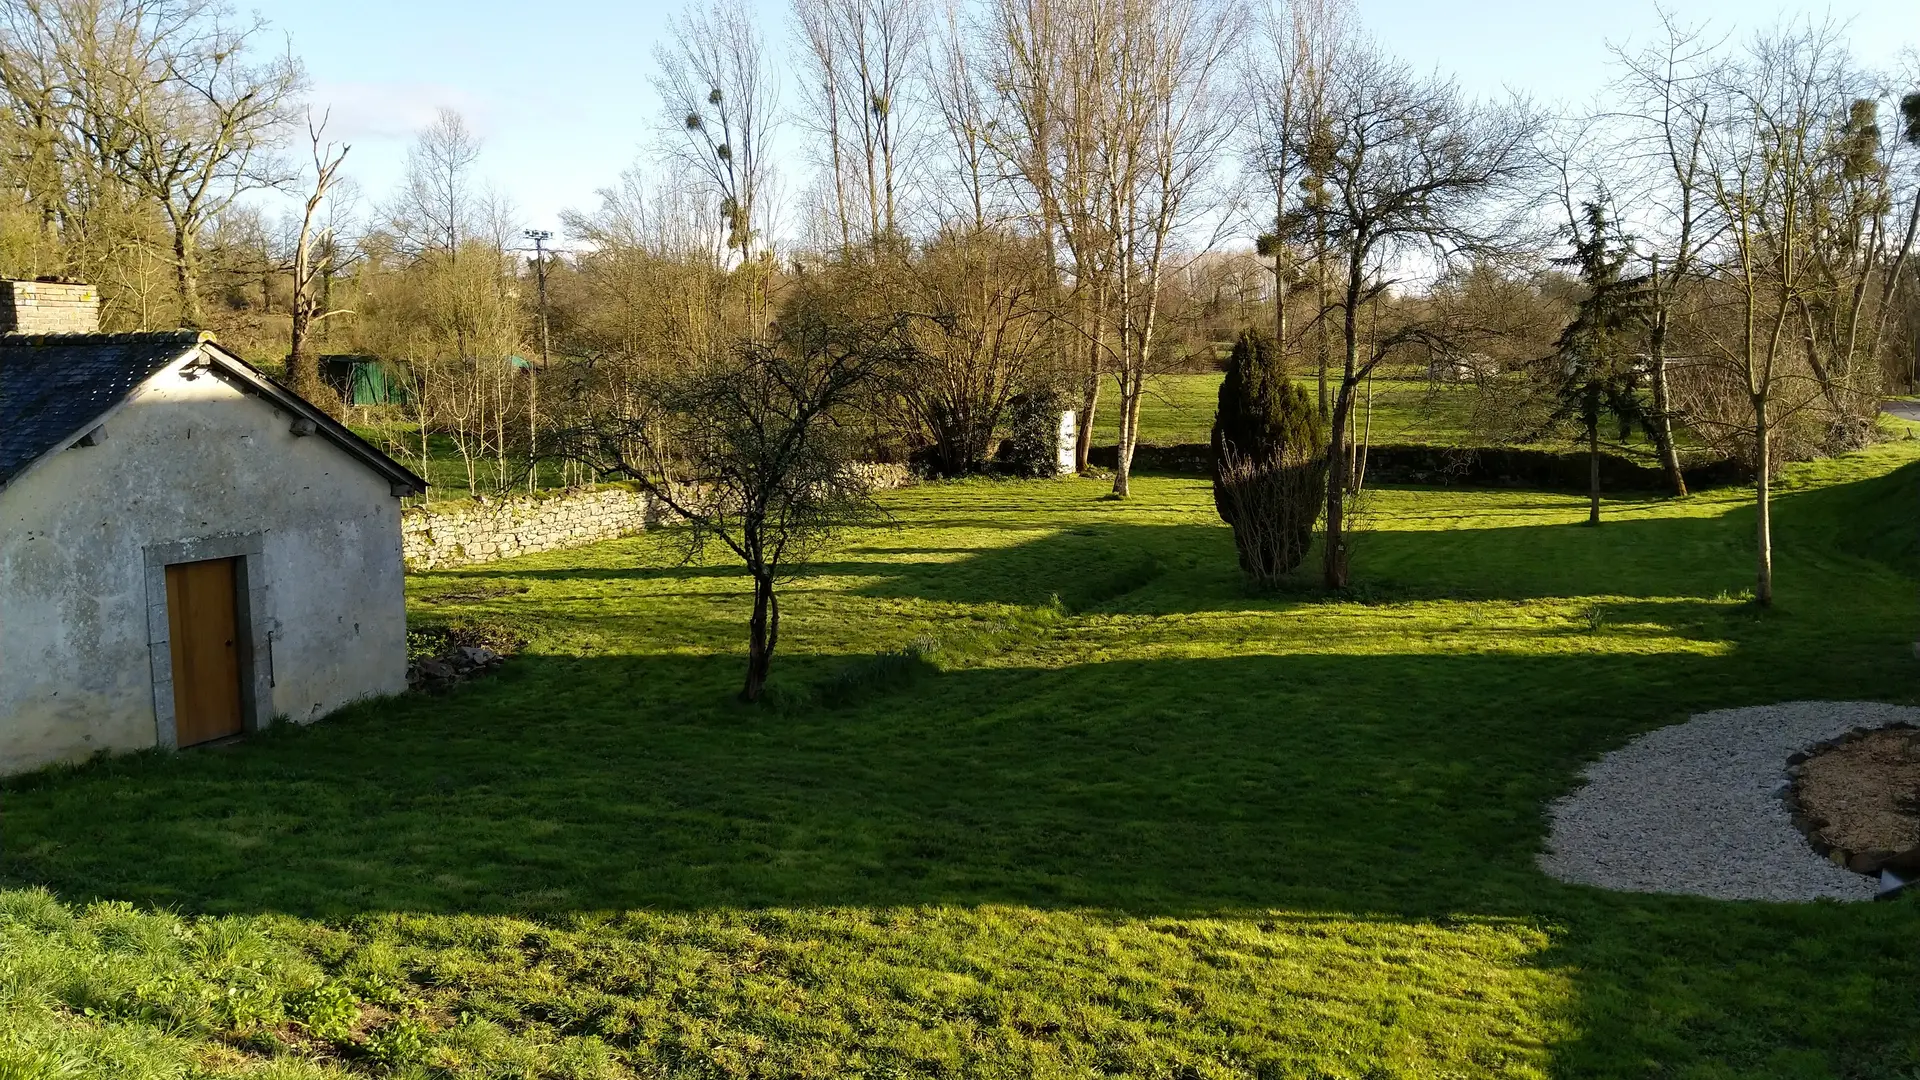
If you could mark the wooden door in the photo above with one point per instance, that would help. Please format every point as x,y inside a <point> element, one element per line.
<point>204,630</point>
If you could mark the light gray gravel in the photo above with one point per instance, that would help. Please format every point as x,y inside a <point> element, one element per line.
<point>1695,808</point>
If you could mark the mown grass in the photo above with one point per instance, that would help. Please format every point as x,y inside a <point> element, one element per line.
<point>1046,792</point>
<point>450,476</point>
<point>1406,409</point>
<point>1179,409</point>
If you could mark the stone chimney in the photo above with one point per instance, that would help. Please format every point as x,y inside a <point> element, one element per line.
<point>48,307</point>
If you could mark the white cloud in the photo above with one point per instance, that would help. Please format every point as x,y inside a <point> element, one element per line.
<point>392,109</point>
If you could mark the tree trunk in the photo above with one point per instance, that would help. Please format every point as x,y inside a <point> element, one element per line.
<point>1662,425</point>
<point>763,636</point>
<point>1763,503</point>
<point>187,278</point>
<point>1129,438</point>
<point>1335,556</point>
<point>1089,403</point>
<point>1320,297</point>
<point>303,374</point>
<point>1366,443</point>
<point>1280,276</point>
<point>533,431</point>
<point>1593,469</point>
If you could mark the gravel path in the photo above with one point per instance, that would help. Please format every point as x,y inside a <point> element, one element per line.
<point>1695,808</point>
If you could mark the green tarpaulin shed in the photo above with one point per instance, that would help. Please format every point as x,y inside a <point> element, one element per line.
<point>361,380</point>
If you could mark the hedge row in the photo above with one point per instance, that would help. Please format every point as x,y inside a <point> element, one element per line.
<point>1450,466</point>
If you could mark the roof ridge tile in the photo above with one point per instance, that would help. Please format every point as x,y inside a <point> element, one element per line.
<point>134,337</point>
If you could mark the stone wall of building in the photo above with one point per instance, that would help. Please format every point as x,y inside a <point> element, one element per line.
<point>48,307</point>
<point>461,533</point>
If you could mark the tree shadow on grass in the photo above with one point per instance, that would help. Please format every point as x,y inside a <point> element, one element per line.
<point>1167,569</point>
<point>1321,791</point>
<point>1400,783</point>
<point>1309,790</point>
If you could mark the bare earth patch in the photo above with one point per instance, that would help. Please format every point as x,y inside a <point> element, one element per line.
<point>1858,800</point>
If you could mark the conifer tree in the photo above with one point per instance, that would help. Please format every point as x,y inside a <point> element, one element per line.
<point>1269,459</point>
<point>1594,371</point>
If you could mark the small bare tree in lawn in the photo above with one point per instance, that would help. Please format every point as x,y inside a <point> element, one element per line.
<point>1414,172</point>
<point>1774,160</point>
<point>746,451</point>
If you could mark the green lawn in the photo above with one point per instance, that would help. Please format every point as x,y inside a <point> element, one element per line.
<point>1179,409</point>
<point>446,471</point>
<point>1406,410</point>
<point>1081,807</point>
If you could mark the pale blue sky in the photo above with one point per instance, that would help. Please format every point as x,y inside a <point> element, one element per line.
<point>560,91</point>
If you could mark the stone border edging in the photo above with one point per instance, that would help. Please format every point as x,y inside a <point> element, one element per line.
<point>1905,862</point>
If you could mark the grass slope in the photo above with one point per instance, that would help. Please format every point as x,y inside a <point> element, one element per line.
<point>1081,806</point>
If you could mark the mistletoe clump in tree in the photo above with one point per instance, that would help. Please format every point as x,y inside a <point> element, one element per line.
<point>1594,370</point>
<point>1269,460</point>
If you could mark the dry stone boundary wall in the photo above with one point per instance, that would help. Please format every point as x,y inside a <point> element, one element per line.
<point>444,535</point>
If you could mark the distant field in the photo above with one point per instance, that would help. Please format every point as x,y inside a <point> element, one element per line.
<point>1178,409</point>
<point>446,472</point>
<point>1404,410</point>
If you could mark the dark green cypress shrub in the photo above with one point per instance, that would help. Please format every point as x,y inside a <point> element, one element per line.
<point>1269,460</point>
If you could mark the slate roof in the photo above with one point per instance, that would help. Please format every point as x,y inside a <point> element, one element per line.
<point>54,386</point>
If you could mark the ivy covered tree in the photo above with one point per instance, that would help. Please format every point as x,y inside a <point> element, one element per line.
<point>1269,460</point>
<point>1593,373</point>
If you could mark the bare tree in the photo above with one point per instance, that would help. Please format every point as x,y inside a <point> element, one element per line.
<point>744,450</point>
<point>438,201</point>
<point>1122,109</point>
<point>1667,109</point>
<point>450,313</point>
<point>1770,162</point>
<point>646,276</point>
<point>1415,171</point>
<point>312,256</point>
<point>958,95</point>
<point>1301,42</point>
<point>862,60</point>
<point>722,106</point>
<point>163,97</point>
<point>980,304</point>
<point>1029,62</point>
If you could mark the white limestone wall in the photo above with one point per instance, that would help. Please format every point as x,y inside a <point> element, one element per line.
<point>468,531</point>
<point>477,531</point>
<point>190,464</point>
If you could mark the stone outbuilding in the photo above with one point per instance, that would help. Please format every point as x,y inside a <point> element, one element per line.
<point>188,550</point>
